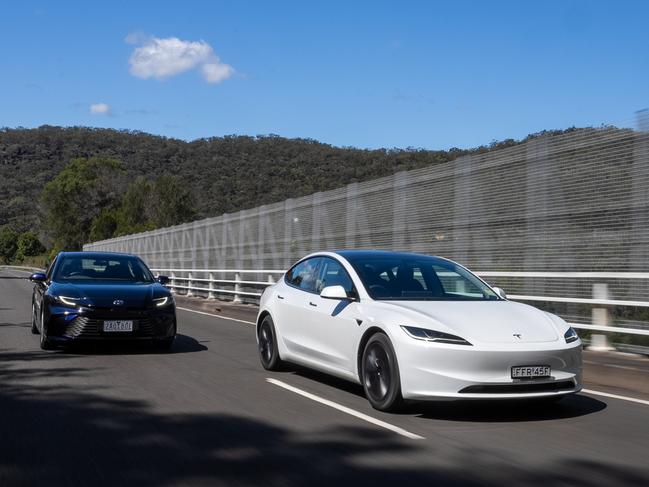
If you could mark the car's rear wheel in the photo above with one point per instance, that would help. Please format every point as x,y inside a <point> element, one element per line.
<point>46,343</point>
<point>34,324</point>
<point>380,374</point>
<point>268,351</point>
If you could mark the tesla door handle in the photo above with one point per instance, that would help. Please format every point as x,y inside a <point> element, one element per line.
<point>280,297</point>
<point>312,304</point>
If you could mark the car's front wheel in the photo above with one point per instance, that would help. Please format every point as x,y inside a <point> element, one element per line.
<point>380,374</point>
<point>34,324</point>
<point>165,344</point>
<point>46,343</point>
<point>268,351</point>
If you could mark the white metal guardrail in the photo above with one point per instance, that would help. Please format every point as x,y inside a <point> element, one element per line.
<point>207,284</point>
<point>194,281</point>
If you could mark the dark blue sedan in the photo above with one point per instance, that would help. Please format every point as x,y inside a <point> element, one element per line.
<point>101,296</point>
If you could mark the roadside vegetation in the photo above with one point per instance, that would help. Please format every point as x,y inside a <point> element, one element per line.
<point>69,186</point>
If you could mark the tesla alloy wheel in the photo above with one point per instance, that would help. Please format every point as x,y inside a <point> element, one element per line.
<point>380,374</point>
<point>268,352</point>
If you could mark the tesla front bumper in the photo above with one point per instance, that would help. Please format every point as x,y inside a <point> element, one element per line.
<point>437,371</point>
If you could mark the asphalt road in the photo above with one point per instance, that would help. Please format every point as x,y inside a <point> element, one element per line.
<point>205,414</point>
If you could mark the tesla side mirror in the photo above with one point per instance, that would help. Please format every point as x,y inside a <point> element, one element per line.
<point>334,292</point>
<point>500,292</point>
<point>38,277</point>
<point>163,280</point>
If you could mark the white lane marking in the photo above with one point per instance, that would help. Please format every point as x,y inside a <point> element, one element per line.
<point>345,409</point>
<point>615,396</point>
<point>625,367</point>
<point>216,316</point>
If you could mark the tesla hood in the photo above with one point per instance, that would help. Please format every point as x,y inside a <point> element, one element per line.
<point>484,321</point>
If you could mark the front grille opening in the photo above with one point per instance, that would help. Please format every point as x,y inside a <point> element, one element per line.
<point>84,327</point>
<point>519,388</point>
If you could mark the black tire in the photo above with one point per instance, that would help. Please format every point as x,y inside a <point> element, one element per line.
<point>267,340</point>
<point>46,344</point>
<point>380,374</point>
<point>34,324</point>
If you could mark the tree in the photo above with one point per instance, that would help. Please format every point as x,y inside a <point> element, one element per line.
<point>73,199</point>
<point>174,203</point>
<point>8,244</point>
<point>103,226</point>
<point>136,211</point>
<point>28,246</point>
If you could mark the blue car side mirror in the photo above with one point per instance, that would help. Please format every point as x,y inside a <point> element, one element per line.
<point>162,280</point>
<point>38,277</point>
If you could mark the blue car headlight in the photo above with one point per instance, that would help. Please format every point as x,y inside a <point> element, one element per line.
<point>434,336</point>
<point>67,301</point>
<point>163,301</point>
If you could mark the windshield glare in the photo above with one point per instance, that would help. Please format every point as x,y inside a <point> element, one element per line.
<point>420,278</point>
<point>122,269</point>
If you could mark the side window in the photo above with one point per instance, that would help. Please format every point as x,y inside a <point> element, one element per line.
<point>304,275</point>
<point>332,273</point>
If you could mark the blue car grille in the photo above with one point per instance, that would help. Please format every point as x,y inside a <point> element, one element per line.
<point>84,327</point>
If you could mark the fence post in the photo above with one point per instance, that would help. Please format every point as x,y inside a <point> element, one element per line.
<point>270,279</point>
<point>210,293</point>
<point>189,284</point>
<point>173,282</point>
<point>601,317</point>
<point>237,288</point>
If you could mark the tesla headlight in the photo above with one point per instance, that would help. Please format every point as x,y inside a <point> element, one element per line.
<point>163,301</point>
<point>67,300</point>
<point>571,335</point>
<point>434,336</point>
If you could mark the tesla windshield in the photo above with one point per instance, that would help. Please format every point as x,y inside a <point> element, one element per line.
<point>419,278</point>
<point>117,268</point>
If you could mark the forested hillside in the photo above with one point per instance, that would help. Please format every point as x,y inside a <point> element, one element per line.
<point>221,174</point>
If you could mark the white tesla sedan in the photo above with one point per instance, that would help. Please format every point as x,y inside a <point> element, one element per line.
<point>414,327</point>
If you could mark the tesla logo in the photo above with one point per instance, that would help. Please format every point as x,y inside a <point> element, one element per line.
<point>118,302</point>
<point>517,335</point>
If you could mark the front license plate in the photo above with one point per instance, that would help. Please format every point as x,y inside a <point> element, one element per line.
<point>118,325</point>
<point>531,371</point>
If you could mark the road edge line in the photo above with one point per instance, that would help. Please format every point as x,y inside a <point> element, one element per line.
<point>216,316</point>
<point>615,396</point>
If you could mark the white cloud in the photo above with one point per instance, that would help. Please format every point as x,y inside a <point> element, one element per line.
<point>99,109</point>
<point>215,72</point>
<point>135,38</point>
<point>162,58</point>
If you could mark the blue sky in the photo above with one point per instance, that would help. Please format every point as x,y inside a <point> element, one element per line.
<point>366,74</point>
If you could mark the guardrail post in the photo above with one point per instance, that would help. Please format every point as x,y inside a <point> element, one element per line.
<point>237,288</point>
<point>270,279</point>
<point>601,317</point>
<point>190,284</point>
<point>210,293</point>
<point>173,282</point>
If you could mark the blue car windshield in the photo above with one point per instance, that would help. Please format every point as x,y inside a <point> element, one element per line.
<point>419,278</point>
<point>113,268</point>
